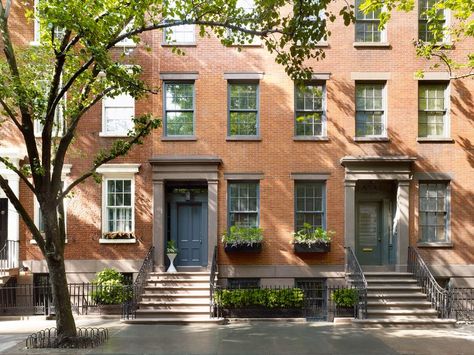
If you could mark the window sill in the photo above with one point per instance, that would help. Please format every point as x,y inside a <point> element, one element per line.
<point>371,139</point>
<point>311,138</point>
<point>177,138</point>
<point>190,44</point>
<point>244,138</point>
<point>248,45</point>
<point>322,44</point>
<point>434,140</point>
<point>117,241</point>
<point>35,43</point>
<point>113,135</point>
<point>33,242</point>
<point>434,244</point>
<point>371,45</point>
<point>125,45</point>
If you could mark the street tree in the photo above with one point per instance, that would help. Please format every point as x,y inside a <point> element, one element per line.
<point>77,64</point>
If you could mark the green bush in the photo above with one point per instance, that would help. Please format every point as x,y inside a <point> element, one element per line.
<point>171,247</point>
<point>345,297</point>
<point>110,288</point>
<point>266,297</point>
<point>243,236</point>
<point>309,235</point>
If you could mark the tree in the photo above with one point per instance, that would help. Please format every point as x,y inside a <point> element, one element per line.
<point>78,57</point>
<point>460,28</point>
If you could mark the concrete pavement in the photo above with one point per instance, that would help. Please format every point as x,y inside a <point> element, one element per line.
<point>251,338</point>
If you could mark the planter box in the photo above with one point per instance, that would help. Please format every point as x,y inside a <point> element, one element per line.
<point>244,248</point>
<point>345,312</point>
<point>107,309</point>
<point>261,312</point>
<point>313,248</point>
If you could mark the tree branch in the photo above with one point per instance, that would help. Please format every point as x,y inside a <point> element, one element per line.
<point>11,114</point>
<point>13,168</point>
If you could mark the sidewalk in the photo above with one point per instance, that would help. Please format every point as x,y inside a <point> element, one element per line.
<point>250,338</point>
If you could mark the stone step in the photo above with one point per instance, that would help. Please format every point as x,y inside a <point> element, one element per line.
<point>174,308</point>
<point>383,313</point>
<point>165,313</point>
<point>189,303</point>
<point>179,297</point>
<point>177,288</point>
<point>393,288</point>
<point>394,281</point>
<point>178,281</point>
<point>381,303</point>
<point>370,274</point>
<point>405,323</point>
<point>177,321</point>
<point>180,274</point>
<point>396,295</point>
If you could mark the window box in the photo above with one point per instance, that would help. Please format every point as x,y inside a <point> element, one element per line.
<point>318,247</point>
<point>118,238</point>
<point>243,248</point>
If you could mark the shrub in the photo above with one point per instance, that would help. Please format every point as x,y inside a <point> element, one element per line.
<point>243,236</point>
<point>110,288</point>
<point>309,235</point>
<point>265,297</point>
<point>345,297</point>
<point>119,235</point>
<point>171,247</point>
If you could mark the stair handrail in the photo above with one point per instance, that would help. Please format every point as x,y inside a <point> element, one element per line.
<point>129,307</point>
<point>213,306</point>
<point>440,298</point>
<point>353,268</point>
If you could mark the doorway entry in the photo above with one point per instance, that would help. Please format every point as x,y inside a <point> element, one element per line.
<point>375,238</point>
<point>187,222</point>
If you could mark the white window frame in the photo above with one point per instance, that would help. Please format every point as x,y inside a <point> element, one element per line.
<point>383,33</point>
<point>106,133</point>
<point>127,42</point>
<point>117,172</point>
<point>178,29</point>
<point>447,103</point>
<point>447,24</point>
<point>256,41</point>
<point>384,108</point>
<point>37,27</point>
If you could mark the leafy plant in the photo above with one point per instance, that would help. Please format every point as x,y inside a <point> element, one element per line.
<point>260,297</point>
<point>345,297</point>
<point>110,288</point>
<point>171,247</point>
<point>119,235</point>
<point>310,235</point>
<point>243,236</point>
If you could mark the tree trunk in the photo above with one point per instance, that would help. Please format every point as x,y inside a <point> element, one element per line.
<point>65,323</point>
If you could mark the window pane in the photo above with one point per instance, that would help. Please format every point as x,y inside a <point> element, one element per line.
<point>243,123</point>
<point>179,123</point>
<point>243,204</point>
<point>433,218</point>
<point>243,96</point>
<point>309,204</point>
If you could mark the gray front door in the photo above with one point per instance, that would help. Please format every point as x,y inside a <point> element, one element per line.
<point>190,234</point>
<point>3,221</point>
<point>369,233</point>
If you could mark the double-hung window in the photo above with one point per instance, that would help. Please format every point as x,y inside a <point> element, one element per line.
<point>367,26</point>
<point>180,35</point>
<point>426,28</point>
<point>247,7</point>
<point>434,211</point>
<point>243,204</point>
<point>370,110</point>
<point>310,204</point>
<point>310,110</point>
<point>433,110</point>
<point>119,205</point>
<point>118,113</point>
<point>179,108</point>
<point>38,31</point>
<point>243,109</point>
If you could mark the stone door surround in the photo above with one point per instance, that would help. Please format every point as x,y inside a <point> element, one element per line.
<point>397,168</point>
<point>183,168</point>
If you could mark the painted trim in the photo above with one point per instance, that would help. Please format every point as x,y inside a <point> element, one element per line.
<point>244,176</point>
<point>244,76</point>
<point>178,76</point>
<point>310,176</point>
<point>382,76</point>
<point>371,44</point>
<point>433,176</point>
<point>115,169</point>
<point>117,241</point>
<point>321,76</point>
<point>104,132</point>
<point>435,76</point>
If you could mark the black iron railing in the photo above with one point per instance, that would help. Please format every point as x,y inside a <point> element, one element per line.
<point>129,308</point>
<point>214,309</point>
<point>462,304</point>
<point>9,256</point>
<point>439,297</point>
<point>357,280</point>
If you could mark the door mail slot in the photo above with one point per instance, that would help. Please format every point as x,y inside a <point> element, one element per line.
<point>367,249</point>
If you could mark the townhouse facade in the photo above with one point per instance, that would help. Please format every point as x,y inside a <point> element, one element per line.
<point>365,149</point>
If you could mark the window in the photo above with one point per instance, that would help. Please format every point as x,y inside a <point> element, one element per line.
<point>309,110</point>
<point>58,31</point>
<point>127,42</point>
<point>248,7</point>
<point>243,109</point>
<point>58,125</point>
<point>119,205</point>
<point>434,212</point>
<point>179,109</point>
<point>370,113</point>
<point>367,26</point>
<point>432,110</point>
<point>243,204</point>
<point>309,203</point>
<point>183,34</point>
<point>117,115</point>
<point>425,31</point>
<point>247,282</point>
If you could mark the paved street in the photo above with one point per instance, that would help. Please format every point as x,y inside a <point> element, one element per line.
<point>251,338</point>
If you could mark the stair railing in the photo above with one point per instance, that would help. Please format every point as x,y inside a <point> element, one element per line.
<point>357,279</point>
<point>213,305</point>
<point>440,298</point>
<point>8,255</point>
<point>129,307</point>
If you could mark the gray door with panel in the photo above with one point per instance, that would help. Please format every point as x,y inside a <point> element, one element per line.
<point>369,243</point>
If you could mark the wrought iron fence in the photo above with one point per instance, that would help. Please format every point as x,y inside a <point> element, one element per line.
<point>440,298</point>
<point>214,310</point>
<point>462,305</point>
<point>357,280</point>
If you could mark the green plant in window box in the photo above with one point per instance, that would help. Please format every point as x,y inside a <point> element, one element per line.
<point>110,288</point>
<point>310,239</point>
<point>119,235</point>
<point>240,238</point>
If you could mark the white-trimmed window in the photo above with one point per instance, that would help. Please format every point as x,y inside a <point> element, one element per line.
<point>58,32</point>
<point>433,109</point>
<point>118,197</point>
<point>180,35</point>
<point>434,207</point>
<point>58,124</point>
<point>425,29</point>
<point>248,7</point>
<point>367,26</point>
<point>127,42</point>
<point>310,107</point>
<point>370,110</point>
<point>117,115</point>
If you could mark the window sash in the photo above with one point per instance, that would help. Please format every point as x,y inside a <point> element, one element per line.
<point>433,212</point>
<point>370,110</point>
<point>179,117</point>
<point>243,109</point>
<point>118,113</point>
<point>243,204</point>
<point>182,34</point>
<point>119,205</point>
<point>432,110</point>
<point>310,204</point>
